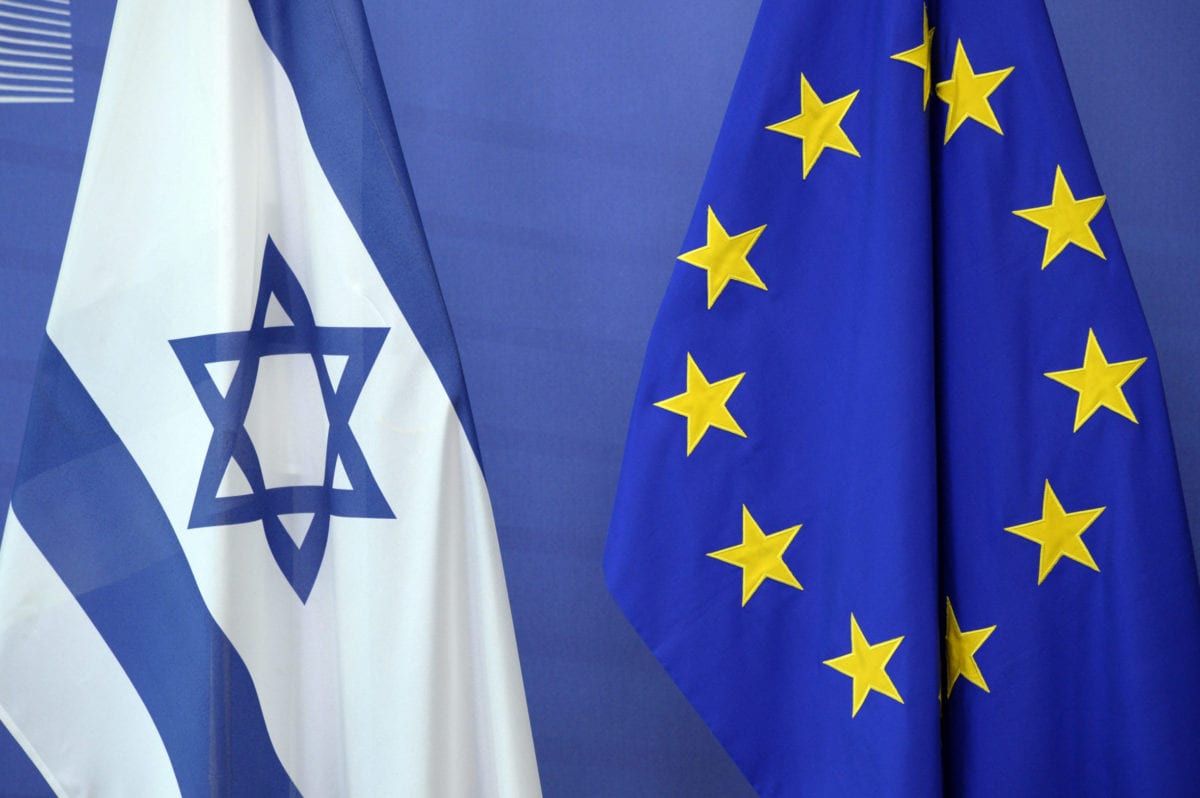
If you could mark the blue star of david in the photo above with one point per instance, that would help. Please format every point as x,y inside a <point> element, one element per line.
<point>231,441</point>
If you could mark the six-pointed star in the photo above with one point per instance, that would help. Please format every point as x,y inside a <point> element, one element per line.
<point>348,488</point>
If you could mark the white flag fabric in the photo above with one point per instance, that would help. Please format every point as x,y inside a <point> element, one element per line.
<point>250,549</point>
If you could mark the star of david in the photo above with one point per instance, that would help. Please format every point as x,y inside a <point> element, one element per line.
<point>348,489</point>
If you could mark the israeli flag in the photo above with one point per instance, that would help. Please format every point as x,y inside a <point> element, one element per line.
<point>250,549</point>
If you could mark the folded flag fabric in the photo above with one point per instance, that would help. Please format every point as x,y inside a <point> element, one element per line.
<point>250,549</point>
<point>899,510</point>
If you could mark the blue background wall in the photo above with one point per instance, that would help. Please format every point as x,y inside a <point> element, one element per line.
<point>557,149</point>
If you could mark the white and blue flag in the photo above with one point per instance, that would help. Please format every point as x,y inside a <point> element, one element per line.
<point>250,549</point>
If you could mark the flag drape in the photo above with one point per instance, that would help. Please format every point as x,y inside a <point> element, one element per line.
<point>250,549</point>
<point>899,510</point>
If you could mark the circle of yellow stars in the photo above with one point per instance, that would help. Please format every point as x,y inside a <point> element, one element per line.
<point>1098,382</point>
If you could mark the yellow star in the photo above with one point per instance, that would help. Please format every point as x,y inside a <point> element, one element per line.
<point>724,257</point>
<point>1059,533</point>
<point>866,664</point>
<point>919,55</point>
<point>759,556</point>
<point>1099,383</point>
<point>703,404</point>
<point>967,92</point>
<point>1067,220</point>
<point>960,652</point>
<point>819,125</point>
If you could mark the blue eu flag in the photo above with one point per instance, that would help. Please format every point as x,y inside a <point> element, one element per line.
<point>899,510</point>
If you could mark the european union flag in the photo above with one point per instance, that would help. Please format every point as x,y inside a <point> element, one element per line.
<point>899,510</point>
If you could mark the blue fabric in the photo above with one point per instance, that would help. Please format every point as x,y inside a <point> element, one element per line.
<point>894,404</point>
<point>88,508</point>
<point>326,50</point>
<point>21,776</point>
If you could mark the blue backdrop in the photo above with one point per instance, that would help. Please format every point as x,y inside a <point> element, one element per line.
<point>557,150</point>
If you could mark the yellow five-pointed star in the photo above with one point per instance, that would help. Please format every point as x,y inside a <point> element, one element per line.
<point>967,92</point>
<point>960,652</point>
<point>919,55</point>
<point>1059,533</point>
<point>1066,219</point>
<point>759,556</point>
<point>724,257</point>
<point>1099,383</point>
<point>703,404</point>
<point>866,664</point>
<point>819,125</point>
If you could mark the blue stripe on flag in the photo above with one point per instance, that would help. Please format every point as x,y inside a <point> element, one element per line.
<point>93,515</point>
<point>21,777</point>
<point>328,55</point>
